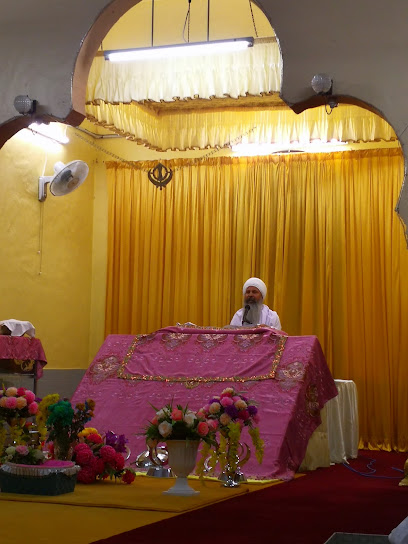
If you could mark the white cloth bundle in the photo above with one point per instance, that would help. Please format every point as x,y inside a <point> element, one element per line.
<point>19,328</point>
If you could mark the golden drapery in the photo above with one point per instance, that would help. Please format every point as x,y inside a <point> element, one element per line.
<point>320,229</point>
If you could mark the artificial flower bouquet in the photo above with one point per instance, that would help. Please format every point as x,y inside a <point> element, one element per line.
<point>16,406</point>
<point>101,457</point>
<point>178,423</point>
<point>23,455</point>
<point>229,413</point>
<point>17,403</point>
<point>60,423</point>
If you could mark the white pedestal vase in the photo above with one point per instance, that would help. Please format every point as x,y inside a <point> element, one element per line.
<point>182,460</point>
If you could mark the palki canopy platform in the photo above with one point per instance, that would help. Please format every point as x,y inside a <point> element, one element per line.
<point>286,375</point>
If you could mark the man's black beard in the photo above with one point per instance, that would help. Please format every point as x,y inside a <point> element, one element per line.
<point>253,315</point>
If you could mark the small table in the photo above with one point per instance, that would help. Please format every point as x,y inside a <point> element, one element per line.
<point>22,355</point>
<point>337,438</point>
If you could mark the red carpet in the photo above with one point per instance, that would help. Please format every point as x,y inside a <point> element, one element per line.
<point>305,510</point>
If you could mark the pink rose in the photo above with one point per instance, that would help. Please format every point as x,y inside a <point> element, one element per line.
<point>22,450</point>
<point>212,424</point>
<point>33,408</point>
<point>200,414</point>
<point>236,398</point>
<point>21,391</point>
<point>29,395</point>
<point>228,392</point>
<point>177,415</point>
<point>202,428</point>
<point>226,401</point>
<point>11,402</point>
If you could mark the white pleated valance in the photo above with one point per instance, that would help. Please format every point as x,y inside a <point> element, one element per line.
<point>201,129</point>
<point>253,71</point>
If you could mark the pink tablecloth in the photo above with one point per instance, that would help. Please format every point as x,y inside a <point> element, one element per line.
<point>287,376</point>
<point>26,352</point>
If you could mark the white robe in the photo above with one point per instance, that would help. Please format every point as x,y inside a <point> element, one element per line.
<point>268,317</point>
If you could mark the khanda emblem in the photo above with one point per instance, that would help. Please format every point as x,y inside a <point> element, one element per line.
<point>160,175</point>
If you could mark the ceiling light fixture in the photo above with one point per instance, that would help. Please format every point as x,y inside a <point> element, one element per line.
<point>179,50</point>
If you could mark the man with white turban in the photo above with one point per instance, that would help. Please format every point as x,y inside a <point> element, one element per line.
<point>254,312</point>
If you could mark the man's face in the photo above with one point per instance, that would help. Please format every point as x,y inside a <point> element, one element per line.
<point>252,295</point>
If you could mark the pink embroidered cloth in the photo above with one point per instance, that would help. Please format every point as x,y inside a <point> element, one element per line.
<point>25,352</point>
<point>286,375</point>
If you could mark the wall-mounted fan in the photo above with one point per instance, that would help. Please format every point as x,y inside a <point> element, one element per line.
<point>67,178</point>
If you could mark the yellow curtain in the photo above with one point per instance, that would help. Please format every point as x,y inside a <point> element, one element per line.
<point>319,229</point>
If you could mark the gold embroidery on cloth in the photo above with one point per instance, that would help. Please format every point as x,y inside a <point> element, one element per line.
<point>247,341</point>
<point>174,340</point>
<point>289,376</point>
<point>102,370</point>
<point>144,338</point>
<point>191,382</point>
<point>210,341</point>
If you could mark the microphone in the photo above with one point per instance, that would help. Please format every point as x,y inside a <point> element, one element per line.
<point>247,308</point>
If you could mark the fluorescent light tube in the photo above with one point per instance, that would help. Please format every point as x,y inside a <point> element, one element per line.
<point>49,131</point>
<point>179,50</point>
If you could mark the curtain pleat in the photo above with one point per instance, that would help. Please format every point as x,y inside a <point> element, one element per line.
<point>319,229</point>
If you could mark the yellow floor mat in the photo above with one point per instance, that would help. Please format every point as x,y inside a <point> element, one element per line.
<point>104,509</point>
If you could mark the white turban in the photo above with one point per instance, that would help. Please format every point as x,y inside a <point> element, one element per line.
<point>255,282</point>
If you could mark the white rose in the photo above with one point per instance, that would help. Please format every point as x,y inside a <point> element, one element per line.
<point>160,414</point>
<point>165,429</point>
<point>11,450</point>
<point>189,419</point>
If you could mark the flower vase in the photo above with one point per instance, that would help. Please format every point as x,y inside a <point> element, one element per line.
<point>63,451</point>
<point>182,460</point>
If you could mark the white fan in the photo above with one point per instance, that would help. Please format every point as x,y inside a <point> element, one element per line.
<point>66,179</point>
